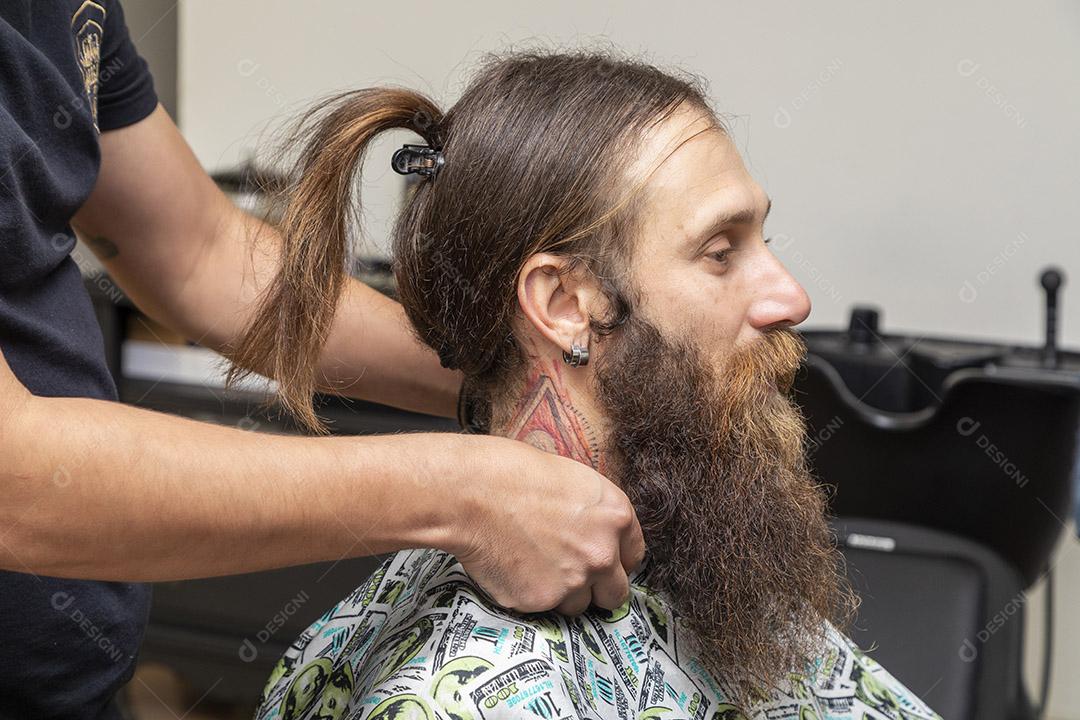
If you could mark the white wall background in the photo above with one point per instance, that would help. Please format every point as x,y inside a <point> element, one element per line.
<point>922,156</point>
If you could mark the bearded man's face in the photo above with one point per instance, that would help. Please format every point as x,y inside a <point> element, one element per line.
<point>703,436</point>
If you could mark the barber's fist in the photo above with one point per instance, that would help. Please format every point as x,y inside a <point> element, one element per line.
<point>538,531</point>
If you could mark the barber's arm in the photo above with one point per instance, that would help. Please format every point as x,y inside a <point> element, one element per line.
<point>97,489</point>
<point>193,261</point>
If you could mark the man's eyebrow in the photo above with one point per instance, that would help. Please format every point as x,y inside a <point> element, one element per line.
<point>745,216</point>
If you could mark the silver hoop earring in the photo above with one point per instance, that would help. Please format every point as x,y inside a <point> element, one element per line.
<point>577,356</point>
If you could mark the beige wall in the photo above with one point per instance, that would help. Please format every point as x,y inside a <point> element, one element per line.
<point>921,155</point>
<point>152,26</point>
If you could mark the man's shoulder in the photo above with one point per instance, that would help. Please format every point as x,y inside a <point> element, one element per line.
<point>844,681</point>
<point>421,639</point>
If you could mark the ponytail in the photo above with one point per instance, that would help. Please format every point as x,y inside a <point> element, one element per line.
<point>293,319</point>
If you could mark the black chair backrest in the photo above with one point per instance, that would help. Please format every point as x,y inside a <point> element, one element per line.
<point>944,615</point>
<point>992,463</point>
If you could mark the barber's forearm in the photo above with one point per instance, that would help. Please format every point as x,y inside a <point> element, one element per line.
<point>373,354</point>
<point>100,490</point>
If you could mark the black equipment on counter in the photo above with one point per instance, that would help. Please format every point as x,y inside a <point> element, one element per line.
<point>973,438</point>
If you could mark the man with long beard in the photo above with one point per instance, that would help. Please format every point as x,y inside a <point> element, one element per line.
<point>725,619</point>
<point>684,404</point>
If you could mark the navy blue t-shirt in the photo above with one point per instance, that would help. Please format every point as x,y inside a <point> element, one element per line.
<point>68,71</point>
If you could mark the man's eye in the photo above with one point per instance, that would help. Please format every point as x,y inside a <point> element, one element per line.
<point>721,256</point>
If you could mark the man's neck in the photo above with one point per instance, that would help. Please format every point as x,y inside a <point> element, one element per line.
<point>550,415</point>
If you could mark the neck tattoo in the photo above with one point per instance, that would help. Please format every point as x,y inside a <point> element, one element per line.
<point>545,418</point>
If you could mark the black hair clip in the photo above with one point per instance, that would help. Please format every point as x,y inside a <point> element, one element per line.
<point>420,159</point>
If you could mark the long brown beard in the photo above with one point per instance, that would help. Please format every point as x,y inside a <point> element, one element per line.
<point>733,521</point>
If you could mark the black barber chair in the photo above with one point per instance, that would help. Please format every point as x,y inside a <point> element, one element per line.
<point>957,459</point>
<point>941,613</point>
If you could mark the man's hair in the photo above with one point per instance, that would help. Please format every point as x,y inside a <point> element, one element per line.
<point>536,153</point>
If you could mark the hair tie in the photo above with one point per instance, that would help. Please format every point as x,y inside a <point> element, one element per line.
<point>420,159</point>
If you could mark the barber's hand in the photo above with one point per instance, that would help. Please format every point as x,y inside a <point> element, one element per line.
<point>538,531</point>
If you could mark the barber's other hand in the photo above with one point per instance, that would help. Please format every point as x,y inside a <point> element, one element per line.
<point>538,531</point>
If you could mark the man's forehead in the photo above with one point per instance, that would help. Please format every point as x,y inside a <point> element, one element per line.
<point>693,172</point>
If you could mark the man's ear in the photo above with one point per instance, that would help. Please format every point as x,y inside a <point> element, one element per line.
<point>556,300</point>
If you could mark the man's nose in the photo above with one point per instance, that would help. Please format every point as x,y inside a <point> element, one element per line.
<point>782,300</point>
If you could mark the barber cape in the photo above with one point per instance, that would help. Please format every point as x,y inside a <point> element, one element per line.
<point>420,641</point>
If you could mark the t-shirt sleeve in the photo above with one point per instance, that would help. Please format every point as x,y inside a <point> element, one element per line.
<point>125,87</point>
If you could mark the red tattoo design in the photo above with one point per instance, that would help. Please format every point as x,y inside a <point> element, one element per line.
<point>544,418</point>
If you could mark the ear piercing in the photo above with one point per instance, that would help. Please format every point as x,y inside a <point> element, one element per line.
<point>577,356</point>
